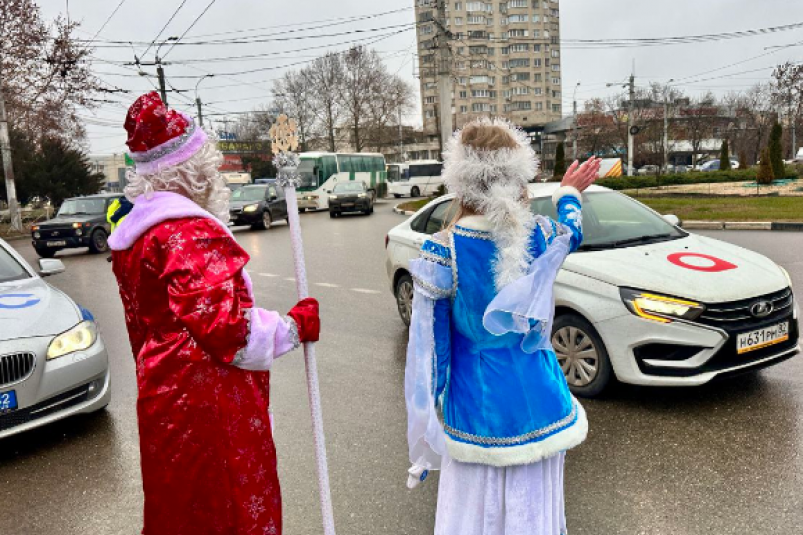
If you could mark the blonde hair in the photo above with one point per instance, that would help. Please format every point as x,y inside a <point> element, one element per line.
<point>197,179</point>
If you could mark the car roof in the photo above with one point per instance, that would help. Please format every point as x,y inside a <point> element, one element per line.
<point>536,190</point>
<point>97,196</point>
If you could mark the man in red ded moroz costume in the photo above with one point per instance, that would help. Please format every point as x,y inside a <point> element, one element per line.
<point>202,347</point>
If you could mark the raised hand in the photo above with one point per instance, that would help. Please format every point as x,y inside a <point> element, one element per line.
<point>581,176</point>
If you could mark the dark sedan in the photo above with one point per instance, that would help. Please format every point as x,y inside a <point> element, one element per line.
<point>80,222</point>
<point>258,205</point>
<point>350,196</point>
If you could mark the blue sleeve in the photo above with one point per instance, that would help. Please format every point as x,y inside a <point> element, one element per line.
<point>570,215</point>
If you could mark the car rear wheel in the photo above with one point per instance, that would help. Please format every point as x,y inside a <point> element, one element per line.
<point>45,253</point>
<point>582,355</point>
<point>99,242</point>
<point>415,192</point>
<point>332,214</point>
<point>404,298</point>
<point>397,195</point>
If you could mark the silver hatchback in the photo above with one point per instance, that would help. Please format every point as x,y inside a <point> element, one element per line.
<point>53,363</point>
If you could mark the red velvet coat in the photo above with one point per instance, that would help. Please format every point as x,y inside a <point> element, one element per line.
<point>208,457</point>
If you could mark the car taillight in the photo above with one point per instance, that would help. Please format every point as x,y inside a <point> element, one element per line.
<point>387,240</point>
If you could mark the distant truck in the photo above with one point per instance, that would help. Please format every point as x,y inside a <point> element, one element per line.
<point>237,180</point>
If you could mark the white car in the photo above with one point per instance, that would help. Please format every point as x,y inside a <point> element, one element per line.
<point>642,300</point>
<point>53,363</point>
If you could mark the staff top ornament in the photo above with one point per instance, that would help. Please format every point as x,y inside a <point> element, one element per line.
<point>283,134</point>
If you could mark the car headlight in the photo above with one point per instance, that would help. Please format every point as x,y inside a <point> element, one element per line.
<point>79,338</point>
<point>660,308</point>
<point>76,225</point>
<point>251,208</point>
<point>332,197</point>
<point>362,195</point>
<point>37,235</point>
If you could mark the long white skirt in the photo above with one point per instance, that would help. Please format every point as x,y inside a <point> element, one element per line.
<point>476,499</point>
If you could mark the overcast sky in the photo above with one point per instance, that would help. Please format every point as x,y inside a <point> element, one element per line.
<point>141,20</point>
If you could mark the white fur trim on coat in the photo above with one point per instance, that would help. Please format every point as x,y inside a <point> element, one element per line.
<point>525,454</point>
<point>566,191</point>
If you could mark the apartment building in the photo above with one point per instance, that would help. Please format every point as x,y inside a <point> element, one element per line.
<point>504,60</point>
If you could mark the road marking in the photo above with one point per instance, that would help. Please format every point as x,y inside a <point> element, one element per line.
<point>267,275</point>
<point>364,291</point>
<point>290,279</point>
<point>326,285</point>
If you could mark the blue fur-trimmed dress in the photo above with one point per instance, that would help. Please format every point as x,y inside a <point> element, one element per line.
<point>487,401</point>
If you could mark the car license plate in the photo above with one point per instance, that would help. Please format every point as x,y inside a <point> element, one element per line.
<point>8,401</point>
<point>762,338</point>
<point>59,243</point>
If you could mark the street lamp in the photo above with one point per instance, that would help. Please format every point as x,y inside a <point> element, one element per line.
<point>574,121</point>
<point>198,98</point>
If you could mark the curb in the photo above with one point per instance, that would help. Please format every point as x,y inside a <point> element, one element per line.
<point>742,225</point>
<point>14,238</point>
<point>399,211</point>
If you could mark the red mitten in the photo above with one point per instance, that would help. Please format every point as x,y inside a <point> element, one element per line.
<point>305,314</point>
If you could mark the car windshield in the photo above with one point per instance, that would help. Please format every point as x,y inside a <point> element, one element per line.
<point>349,187</point>
<point>612,220</point>
<point>72,207</point>
<point>10,269</point>
<point>249,193</point>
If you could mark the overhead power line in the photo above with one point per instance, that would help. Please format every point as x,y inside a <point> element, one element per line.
<point>158,35</point>
<point>190,28</point>
<point>107,20</point>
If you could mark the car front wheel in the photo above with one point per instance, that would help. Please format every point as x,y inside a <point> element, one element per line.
<point>404,298</point>
<point>98,242</point>
<point>582,355</point>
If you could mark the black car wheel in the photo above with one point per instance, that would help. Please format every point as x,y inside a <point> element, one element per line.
<point>404,298</point>
<point>302,210</point>
<point>265,223</point>
<point>397,195</point>
<point>415,192</point>
<point>99,242</point>
<point>332,214</point>
<point>45,253</point>
<point>582,355</point>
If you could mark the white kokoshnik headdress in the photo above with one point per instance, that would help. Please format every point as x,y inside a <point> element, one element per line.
<point>493,182</point>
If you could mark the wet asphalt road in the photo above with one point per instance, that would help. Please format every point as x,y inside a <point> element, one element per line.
<point>720,459</point>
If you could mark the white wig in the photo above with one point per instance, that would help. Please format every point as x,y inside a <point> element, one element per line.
<point>494,183</point>
<point>197,179</point>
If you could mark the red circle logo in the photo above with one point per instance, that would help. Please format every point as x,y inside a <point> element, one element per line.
<point>701,262</point>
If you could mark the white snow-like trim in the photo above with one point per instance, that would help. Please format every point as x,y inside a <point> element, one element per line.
<point>475,222</point>
<point>525,454</point>
<point>566,191</point>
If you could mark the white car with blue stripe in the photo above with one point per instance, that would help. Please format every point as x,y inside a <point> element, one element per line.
<point>53,363</point>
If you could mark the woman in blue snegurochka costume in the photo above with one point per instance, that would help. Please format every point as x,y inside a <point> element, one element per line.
<point>487,401</point>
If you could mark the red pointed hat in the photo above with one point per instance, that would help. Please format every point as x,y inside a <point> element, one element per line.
<point>159,137</point>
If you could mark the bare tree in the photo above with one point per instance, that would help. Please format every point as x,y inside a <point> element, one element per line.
<point>787,94</point>
<point>391,98</point>
<point>323,85</point>
<point>698,121</point>
<point>45,72</point>
<point>363,72</point>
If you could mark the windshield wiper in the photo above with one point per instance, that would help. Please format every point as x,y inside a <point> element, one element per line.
<point>624,243</point>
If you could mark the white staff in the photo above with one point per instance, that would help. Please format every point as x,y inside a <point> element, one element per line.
<point>285,141</point>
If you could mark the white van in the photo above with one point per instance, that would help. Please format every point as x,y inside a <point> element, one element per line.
<point>236,180</point>
<point>415,179</point>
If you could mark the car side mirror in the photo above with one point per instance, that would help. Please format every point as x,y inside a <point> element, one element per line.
<point>50,266</point>
<point>672,220</point>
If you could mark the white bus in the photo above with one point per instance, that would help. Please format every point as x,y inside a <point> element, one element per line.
<point>414,179</point>
<point>320,171</point>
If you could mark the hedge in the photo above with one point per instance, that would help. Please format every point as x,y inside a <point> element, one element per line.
<point>713,177</point>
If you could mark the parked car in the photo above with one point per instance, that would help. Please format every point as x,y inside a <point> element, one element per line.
<point>713,165</point>
<point>642,301</point>
<point>53,363</point>
<point>258,205</point>
<point>648,170</point>
<point>80,222</point>
<point>351,196</point>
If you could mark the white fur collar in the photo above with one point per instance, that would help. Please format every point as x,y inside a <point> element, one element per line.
<point>476,222</point>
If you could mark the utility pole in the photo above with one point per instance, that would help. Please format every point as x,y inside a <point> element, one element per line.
<point>445,85</point>
<point>574,122</point>
<point>401,138</point>
<point>161,74</point>
<point>666,125</point>
<point>200,112</point>
<point>631,144</point>
<point>8,168</point>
